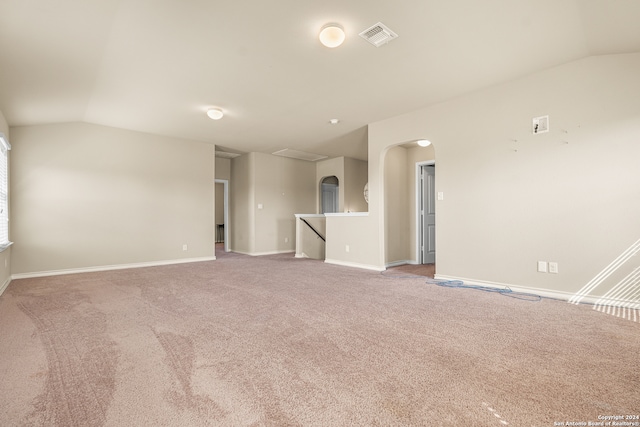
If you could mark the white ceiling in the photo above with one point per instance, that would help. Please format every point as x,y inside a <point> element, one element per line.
<point>157,65</point>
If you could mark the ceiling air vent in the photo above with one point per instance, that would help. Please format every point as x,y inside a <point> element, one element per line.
<point>227,155</point>
<point>300,155</point>
<point>378,34</point>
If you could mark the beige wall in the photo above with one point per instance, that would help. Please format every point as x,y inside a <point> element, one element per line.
<point>284,187</point>
<point>358,234</point>
<point>90,196</point>
<point>266,192</point>
<point>512,198</point>
<point>5,256</point>
<point>396,213</point>
<point>355,178</point>
<point>223,168</point>
<point>241,204</point>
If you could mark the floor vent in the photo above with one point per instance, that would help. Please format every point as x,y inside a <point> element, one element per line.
<point>378,34</point>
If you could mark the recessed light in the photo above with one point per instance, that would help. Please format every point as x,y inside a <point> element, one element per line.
<point>424,143</point>
<point>215,113</point>
<point>332,35</point>
<point>334,121</point>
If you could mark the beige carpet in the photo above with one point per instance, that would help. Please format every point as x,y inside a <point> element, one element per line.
<point>278,341</point>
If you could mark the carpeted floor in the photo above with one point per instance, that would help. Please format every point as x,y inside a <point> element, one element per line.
<point>278,341</point>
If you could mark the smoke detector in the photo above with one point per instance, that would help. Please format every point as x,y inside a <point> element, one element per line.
<point>378,34</point>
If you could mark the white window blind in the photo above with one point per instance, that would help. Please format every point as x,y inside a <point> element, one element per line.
<point>4,191</point>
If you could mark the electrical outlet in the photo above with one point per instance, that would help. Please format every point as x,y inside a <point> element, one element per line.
<point>542,266</point>
<point>553,267</point>
<point>346,248</point>
<point>286,240</point>
<point>184,247</point>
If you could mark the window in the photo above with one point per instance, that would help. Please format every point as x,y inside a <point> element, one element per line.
<point>4,192</point>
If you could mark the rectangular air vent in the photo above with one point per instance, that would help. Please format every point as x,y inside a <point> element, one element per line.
<point>226,154</point>
<point>300,155</point>
<point>378,34</point>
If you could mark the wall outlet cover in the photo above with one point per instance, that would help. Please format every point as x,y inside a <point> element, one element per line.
<point>542,266</point>
<point>540,124</point>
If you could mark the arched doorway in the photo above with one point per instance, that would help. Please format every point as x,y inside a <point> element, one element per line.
<point>329,195</point>
<point>404,208</point>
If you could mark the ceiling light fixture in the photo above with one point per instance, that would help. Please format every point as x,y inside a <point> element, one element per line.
<point>334,121</point>
<point>424,143</point>
<point>215,113</point>
<point>332,35</point>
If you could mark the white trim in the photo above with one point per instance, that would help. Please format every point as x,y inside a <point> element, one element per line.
<point>353,264</point>
<point>309,215</point>
<point>399,263</point>
<point>287,251</point>
<point>108,268</point>
<point>5,285</point>
<point>347,214</point>
<point>547,293</point>
<point>419,166</point>
<point>4,141</point>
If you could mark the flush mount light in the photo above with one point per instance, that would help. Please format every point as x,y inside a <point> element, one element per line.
<point>424,143</point>
<point>332,35</point>
<point>215,113</point>
<point>334,121</point>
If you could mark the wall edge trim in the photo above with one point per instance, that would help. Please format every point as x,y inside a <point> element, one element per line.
<point>545,293</point>
<point>5,285</point>
<point>354,264</point>
<point>108,268</point>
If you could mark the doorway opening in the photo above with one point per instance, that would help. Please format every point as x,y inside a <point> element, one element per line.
<point>329,195</point>
<point>222,213</point>
<point>426,212</point>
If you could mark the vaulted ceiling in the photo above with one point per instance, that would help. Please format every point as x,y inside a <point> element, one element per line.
<point>157,65</point>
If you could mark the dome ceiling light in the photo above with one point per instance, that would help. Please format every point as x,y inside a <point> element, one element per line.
<point>424,143</point>
<point>215,113</point>
<point>332,35</point>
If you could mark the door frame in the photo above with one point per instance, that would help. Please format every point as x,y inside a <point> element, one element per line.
<point>225,183</point>
<point>418,199</point>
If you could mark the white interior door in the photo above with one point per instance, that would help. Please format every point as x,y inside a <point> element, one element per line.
<point>428,214</point>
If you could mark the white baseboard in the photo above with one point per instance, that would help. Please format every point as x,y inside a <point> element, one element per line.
<point>399,263</point>
<point>288,251</point>
<point>546,293</point>
<point>353,264</point>
<point>5,285</point>
<point>108,267</point>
